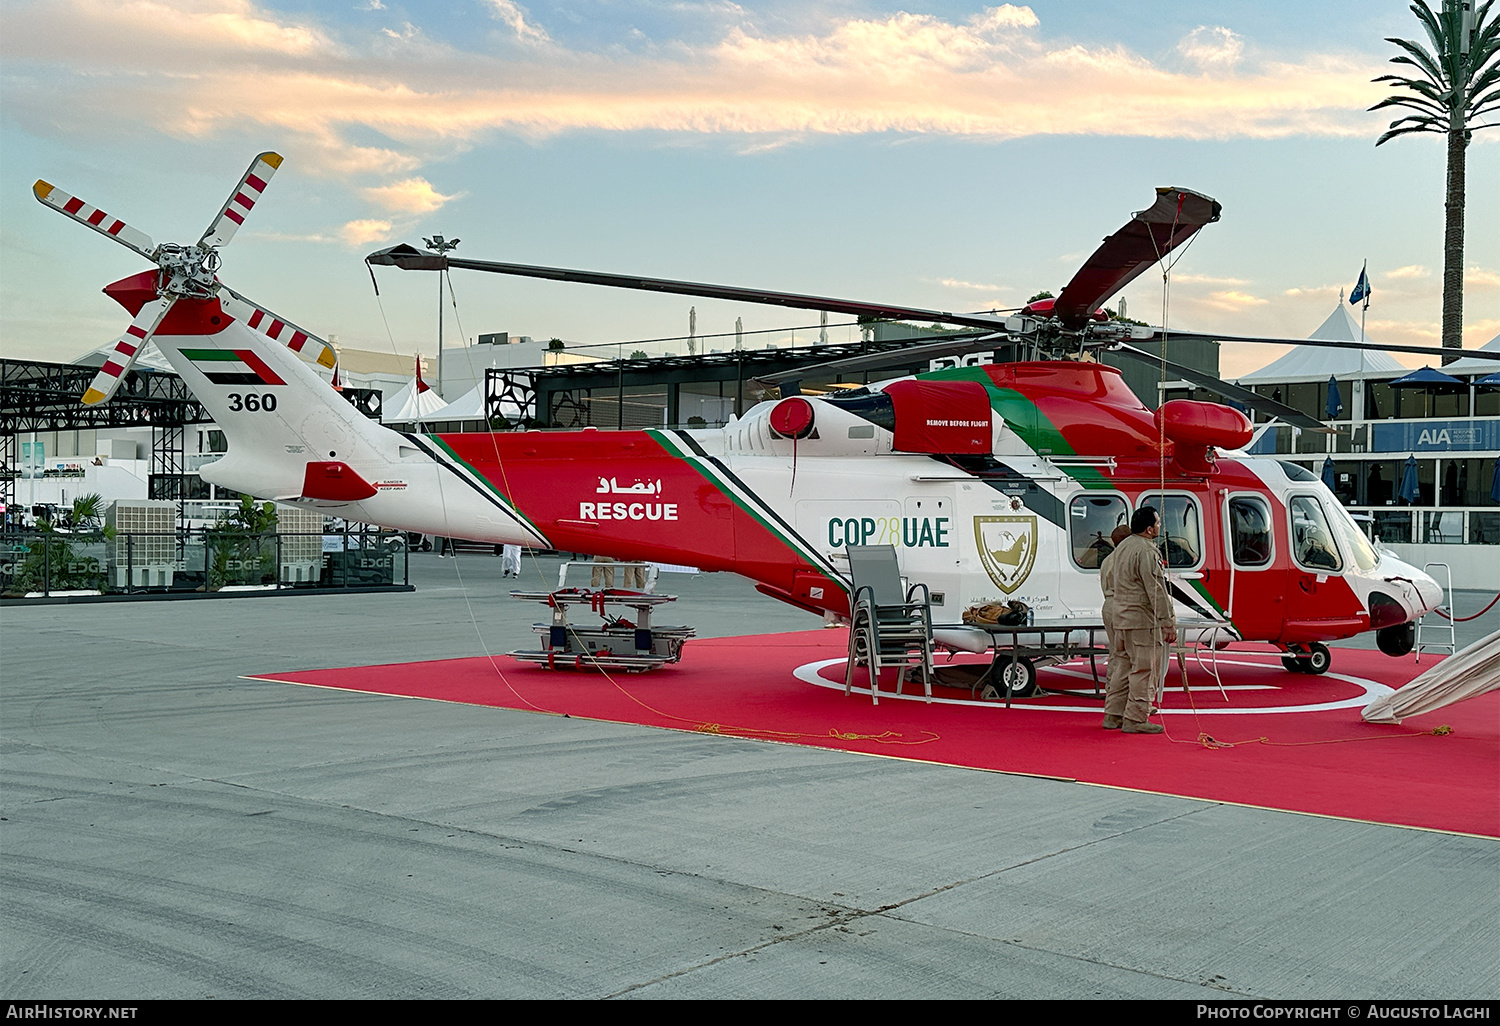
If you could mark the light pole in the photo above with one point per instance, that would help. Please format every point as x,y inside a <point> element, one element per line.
<point>440,246</point>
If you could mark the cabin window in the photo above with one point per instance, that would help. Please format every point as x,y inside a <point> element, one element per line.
<point>1249,532</point>
<point>1181,537</point>
<point>1092,519</point>
<point>1312,541</point>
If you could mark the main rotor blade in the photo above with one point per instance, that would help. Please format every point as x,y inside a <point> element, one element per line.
<point>93,217</point>
<point>1148,236</point>
<point>241,200</point>
<point>412,259</point>
<point>127,348</point>
<point>891,358</point>
<point>1254,400</point>
<point>298,340</point>
<point>1381,347</point>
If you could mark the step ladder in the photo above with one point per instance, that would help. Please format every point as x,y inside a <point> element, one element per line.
<point>1448,625</point>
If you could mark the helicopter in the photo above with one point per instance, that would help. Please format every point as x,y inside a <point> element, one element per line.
<point>993,482</point>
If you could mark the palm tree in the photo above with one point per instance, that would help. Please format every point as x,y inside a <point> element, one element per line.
<point>1455,87</point>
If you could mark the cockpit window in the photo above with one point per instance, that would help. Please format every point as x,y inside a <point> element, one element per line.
<point>1352,539</point>
<point>1312,540</point>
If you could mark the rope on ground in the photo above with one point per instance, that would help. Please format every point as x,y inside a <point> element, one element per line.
<point>1209,741</point>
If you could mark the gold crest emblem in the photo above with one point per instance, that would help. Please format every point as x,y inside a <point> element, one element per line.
<point>1007,548</point>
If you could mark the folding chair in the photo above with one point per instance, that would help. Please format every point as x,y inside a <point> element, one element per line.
<point>888,626</point>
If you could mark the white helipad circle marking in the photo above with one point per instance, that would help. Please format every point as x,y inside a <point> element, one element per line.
<point>1370,690</point>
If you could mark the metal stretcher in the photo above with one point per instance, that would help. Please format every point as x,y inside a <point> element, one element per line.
<point>617,643</point>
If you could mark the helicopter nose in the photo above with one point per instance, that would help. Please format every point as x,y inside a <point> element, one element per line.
<point>1429,593</point>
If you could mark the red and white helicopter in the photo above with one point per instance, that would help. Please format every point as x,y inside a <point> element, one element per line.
<point>994,482</point>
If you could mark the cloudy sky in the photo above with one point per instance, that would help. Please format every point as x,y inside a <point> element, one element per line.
<point>941,154</point>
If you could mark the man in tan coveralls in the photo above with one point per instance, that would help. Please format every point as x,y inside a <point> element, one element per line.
<point>1144,626</point>
<point>1107,612</point>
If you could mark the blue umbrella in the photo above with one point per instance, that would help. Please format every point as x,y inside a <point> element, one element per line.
<point>1328,475</point>
<point>1409,491</point>
<point>1429,378</point>
<point>1489,380</point>
<point>1335,400</point>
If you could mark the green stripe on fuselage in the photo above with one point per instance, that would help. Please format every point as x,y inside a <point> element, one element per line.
<point>704,467</point>
<point>1025,418</point>
<point>482,479</point>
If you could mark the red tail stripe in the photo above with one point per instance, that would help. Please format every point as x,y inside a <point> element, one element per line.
<point>255,183</point>
<point>112,369</point>
<point>260,367</point>
<point>297,342</point>
<point>256,318</point>
<point>114,229</point>
<point>275,329</point>
<point>136,330</point>
<point>243,200</point>
<point>236,218</point>
<point>74,205</point>
<point>125,348</point>
<point>97,216</point>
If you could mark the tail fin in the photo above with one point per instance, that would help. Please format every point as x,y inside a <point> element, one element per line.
<point>278,415</point>
<point>294,438</point>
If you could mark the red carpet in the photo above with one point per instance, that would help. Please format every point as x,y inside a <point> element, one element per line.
<point>1298,741</point>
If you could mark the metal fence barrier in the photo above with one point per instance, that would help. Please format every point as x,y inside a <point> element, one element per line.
<point>45,564</point>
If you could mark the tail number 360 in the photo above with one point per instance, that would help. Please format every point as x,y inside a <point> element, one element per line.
<point>252,403</point>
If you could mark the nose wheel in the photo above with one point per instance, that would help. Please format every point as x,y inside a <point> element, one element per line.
<point>1396,640</point>
<point>1315,659</point>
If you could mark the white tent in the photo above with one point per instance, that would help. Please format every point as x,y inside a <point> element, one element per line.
<point>1319,363</point>
<point>470,406</point>
<point>416,401</point>
<point>1469,365</point>
<point>150,358</point>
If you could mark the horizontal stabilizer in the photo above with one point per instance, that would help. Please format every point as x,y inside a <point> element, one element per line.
<point>335,482</point>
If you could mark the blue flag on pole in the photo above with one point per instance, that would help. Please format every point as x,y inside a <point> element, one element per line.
<point>1361,289</point>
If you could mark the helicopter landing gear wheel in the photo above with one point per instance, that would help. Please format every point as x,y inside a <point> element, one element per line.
<point>1317,659</point>
<point>1018,679</point>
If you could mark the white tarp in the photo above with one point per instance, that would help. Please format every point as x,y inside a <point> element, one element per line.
<point>1473,671</point>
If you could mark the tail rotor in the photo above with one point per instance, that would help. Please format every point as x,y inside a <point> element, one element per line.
<point>185,272</point>
<point>126,348</point>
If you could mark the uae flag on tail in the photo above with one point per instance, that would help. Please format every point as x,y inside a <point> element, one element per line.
<point>232,367</point>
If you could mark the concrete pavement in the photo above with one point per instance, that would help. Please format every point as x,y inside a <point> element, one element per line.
<point>170,830</point>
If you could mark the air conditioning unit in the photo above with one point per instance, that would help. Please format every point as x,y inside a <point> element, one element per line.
<point>143,551</point>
